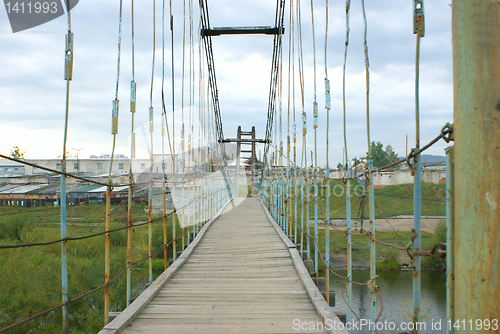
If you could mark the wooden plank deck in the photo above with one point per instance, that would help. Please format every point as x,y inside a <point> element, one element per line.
<point>241,276</point>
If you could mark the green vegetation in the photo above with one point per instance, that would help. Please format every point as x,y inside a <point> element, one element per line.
<point>382,157</point>
<point>17,153</point>
<point>360,245</point>
<point>31,277</point>
<point>389,201</point>
<point>438,238</point>
<point>390,261</point>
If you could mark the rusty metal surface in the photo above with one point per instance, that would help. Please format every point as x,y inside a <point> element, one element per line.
<point>106,256</point>
<point>476,77</point>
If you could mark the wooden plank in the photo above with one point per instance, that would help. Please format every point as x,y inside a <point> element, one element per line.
<point>240,278</point>
<point>127,316</point>
<point>213,329</point>
<point>326,312</point>
<point>235,306</point>
<point>227,315</point>
<point>199,310</point>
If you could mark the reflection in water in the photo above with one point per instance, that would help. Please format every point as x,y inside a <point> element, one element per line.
<point>397,294</point>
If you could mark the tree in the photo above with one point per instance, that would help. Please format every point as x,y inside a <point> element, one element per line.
<point>381,156</point>
<point>17,153</point>
<point>340,166</point>
<point>68,155</point>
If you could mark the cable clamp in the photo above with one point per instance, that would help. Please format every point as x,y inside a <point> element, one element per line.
<point>151,118</point>
<point>418,18</point>
<point>133,94</point>
<point>367,172</point>
<point>411,165</point>
<point>304,123</point>
<point>315,114</point>
<point>114,114</point>
<point>448,129</point>
<point>327,94</point>
<point>68,63</point>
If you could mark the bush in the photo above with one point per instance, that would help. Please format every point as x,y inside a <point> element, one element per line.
<point>12,229</point>
<point>438,238</point>
<point>118,238</point>
<point>390,261</point>
<point>158,237</point>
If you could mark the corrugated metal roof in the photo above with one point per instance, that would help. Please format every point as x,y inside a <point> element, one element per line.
<point>25,189</point>
<point>10,186</point>
<point>103,189</point>
<point>86,188</point>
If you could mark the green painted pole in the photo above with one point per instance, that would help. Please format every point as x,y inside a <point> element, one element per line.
<point>476,79</point>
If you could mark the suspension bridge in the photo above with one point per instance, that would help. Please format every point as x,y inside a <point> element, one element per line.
<point>255,282</point>
<point>252,264</point>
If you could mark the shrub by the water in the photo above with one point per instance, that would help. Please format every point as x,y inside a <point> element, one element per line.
<point>390,261</point>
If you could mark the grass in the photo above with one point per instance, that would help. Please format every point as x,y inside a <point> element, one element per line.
<point>387,257</point>
<point>31,277</point>
<point>390,260</point>
<point>360,243</point>
<point>389,201</point>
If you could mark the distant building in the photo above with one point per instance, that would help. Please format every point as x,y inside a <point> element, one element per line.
<point>8,167</point>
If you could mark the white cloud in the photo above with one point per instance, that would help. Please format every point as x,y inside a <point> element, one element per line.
<point>32,89</point>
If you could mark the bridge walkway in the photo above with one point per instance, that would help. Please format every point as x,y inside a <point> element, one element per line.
<point>240,275</point>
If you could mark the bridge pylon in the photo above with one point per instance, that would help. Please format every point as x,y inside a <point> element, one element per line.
<point>245,138</point>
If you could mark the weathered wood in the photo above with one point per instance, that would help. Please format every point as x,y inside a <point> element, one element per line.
<point>242,277</point>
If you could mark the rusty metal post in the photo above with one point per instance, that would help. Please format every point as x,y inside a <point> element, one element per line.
<point>129,236</point>
<point>327,232</point>
<point>164,190</point>
<point>450,263</point>
<point>238,154</point>
<point>349,247</point>
<point>301,215</point>
<point>150,199</point>
<point>106,256</point>
<point>307,218</point>
<point>64,251</point>
<point>476,155</point>
<point>68,76</point>
<point>254,157</point>
<point>373,266</point>
<point>133,104</point>
<point>419,30</point>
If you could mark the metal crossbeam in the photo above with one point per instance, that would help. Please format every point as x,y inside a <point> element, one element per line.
<point>242,31</point>
<point>237,140</point>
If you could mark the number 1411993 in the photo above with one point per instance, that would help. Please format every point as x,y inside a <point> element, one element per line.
<point>31,7</point>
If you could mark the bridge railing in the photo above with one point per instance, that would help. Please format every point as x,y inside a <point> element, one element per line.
<point>206,193</point>
<point>289,191</point>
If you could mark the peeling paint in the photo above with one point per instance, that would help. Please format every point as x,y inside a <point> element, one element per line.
<point>491,201</point>
<point>494,265</point>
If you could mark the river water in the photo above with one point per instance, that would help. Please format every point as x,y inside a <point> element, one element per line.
<point>397,291</point>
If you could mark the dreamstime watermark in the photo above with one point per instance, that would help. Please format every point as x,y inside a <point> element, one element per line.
<point>26,14</point>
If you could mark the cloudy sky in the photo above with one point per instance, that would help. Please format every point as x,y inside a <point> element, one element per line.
<point>32,86</point>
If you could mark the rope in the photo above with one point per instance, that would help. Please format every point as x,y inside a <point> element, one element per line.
<point>348,12</point>
<point>106,285</point>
